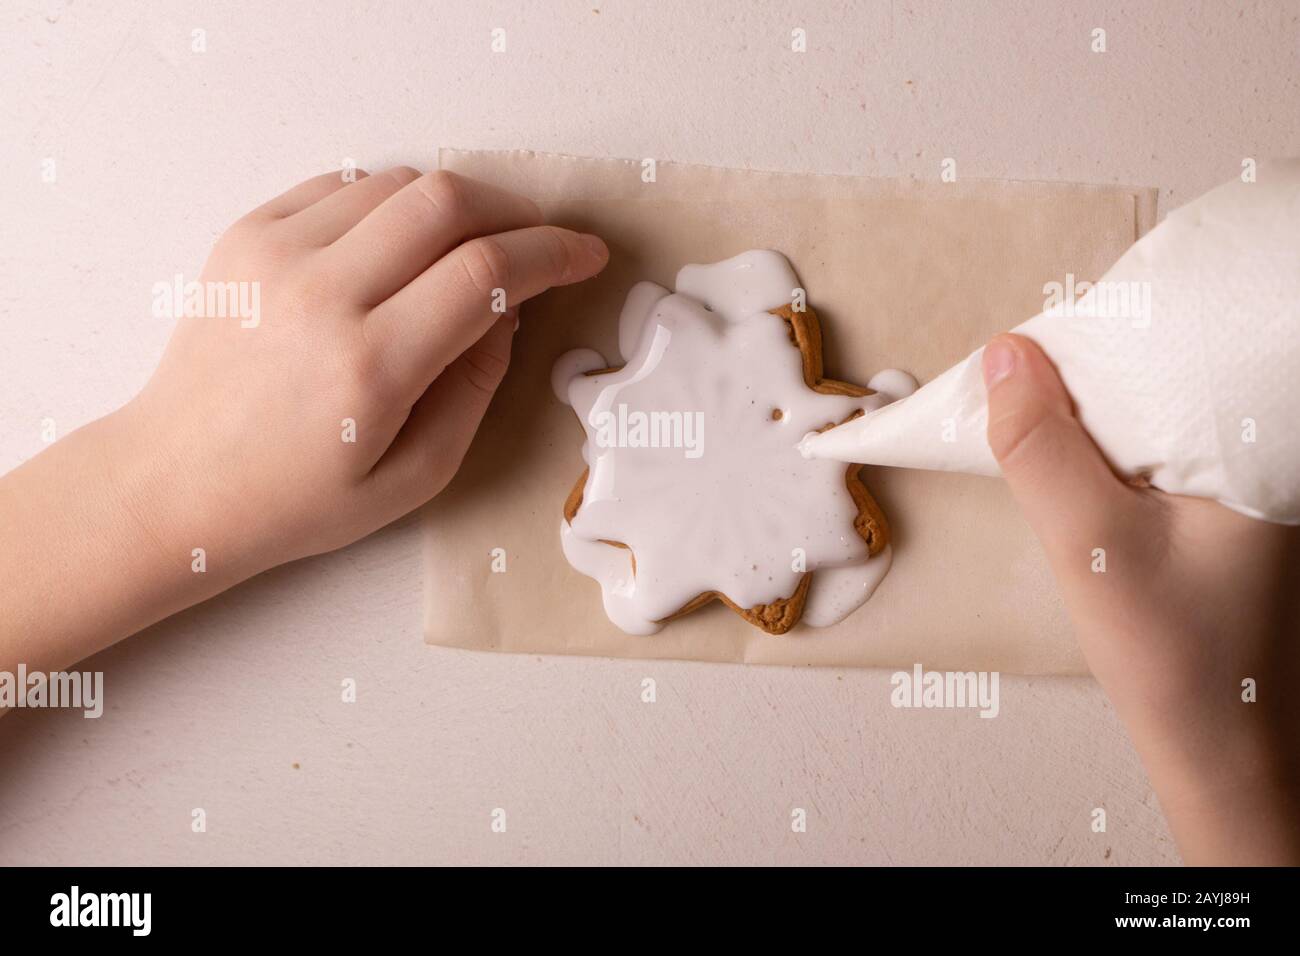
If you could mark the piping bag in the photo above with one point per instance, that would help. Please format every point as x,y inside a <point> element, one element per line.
<point>1183,362</point>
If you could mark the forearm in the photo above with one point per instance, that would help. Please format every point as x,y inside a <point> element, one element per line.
<point>95,546</point>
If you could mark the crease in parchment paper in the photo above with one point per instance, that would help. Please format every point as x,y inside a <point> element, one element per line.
<point>903,274</point>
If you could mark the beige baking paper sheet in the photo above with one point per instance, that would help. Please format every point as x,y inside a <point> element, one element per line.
<point>903,274</point>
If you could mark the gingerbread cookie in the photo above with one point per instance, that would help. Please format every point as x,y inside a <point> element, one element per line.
<point>695,489</point>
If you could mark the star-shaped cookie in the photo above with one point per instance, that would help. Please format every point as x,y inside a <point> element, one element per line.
<point>695,489</point>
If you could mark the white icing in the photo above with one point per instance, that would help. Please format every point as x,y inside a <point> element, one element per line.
<point>637,307</point>
<point>572,364</point>
<point>739,287</point>
<point>838,592</point>
<point>893,383</point>
<point>740,511</point>
<point>611,567</point>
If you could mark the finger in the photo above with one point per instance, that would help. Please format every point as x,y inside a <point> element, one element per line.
<point>1056,473</point>
<point>432,443</point>
<point>421,329</point>
<point>331,217</point>
<point>419,225</point>
<point>304,194</point>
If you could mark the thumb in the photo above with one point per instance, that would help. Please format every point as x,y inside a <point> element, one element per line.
<point>1058,476</point>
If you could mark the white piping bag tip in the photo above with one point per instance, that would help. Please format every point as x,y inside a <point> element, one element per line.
<point>941,426</point>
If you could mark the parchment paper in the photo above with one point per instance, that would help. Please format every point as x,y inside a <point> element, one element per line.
<point>903,274</point>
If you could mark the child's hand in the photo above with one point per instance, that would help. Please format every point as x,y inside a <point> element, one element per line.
<point>348,398</point>
<point>1193,600</point>
<point>382,337</point>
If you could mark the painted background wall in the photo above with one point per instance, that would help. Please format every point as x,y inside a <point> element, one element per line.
<point>235,707</point>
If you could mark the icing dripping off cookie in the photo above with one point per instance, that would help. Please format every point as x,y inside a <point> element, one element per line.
<point>742,514</point>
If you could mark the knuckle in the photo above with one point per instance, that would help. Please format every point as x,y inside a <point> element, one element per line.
<point>486,264</point>
<point>483,369</point>
<point>367,377</point>
<point>1007,434</point>
<point>250,231</point>
<point>444,191</point>
<point>1024,441</point>
<point>257,244</point>
<point>534,212</point>
<point>401,175</point>
<point>557,251</point>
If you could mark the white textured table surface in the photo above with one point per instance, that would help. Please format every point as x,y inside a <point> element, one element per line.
<point>234,706</point>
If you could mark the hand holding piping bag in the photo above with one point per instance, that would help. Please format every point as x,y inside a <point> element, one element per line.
<point>1194,600</point>
<point>1191,625</point>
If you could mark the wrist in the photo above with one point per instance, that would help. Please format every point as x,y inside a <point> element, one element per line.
<point>95,546</point>
<point>172,495</point>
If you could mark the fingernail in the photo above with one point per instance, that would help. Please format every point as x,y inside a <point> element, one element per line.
<point>999,362</point>
<point>596,246</point>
